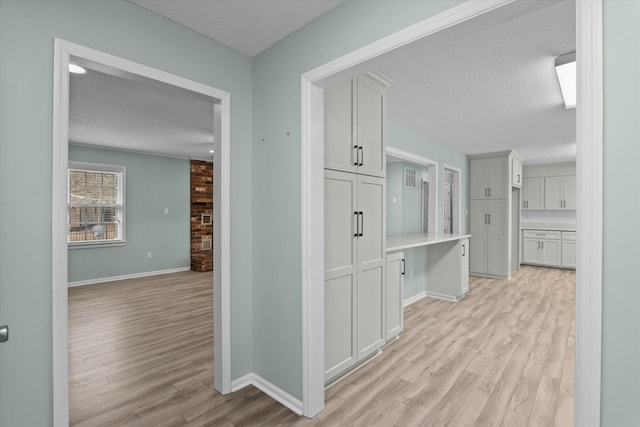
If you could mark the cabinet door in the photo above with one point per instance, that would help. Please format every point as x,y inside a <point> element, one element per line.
<point>369,127</point>
<point>497,177</point>
<point>569,192</point>
<point>497,238</point>
<point>531,251</point>
<point>478,220</point>
<point>371,264</point>
<point>516,173</point>
<point>550,252</point>
<point>340,272</point>
<point>339,150</point>
<point>553,193</point>
<point>569,253</point>
<point>393,302</point>
<point>477,179</point>
<point>464,266</point>
<point>533,193</point>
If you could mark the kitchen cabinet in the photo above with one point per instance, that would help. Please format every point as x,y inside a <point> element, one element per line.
<point>560,193</point>
<point>448,269</point>
<point>541,247</point>
<point>489,237</point>
<point>533,194</point>
<point>393,302</point>
<point>354,269</point>
<point>464,266</point>
<point>354,113</point>
<point>488,178</point>
<point>516,173</point>
<point>569,249</point>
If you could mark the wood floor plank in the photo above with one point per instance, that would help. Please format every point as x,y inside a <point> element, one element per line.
<point>503,354</point>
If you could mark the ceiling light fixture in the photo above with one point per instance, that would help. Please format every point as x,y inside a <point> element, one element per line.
<point>76,69</point>
<point>566,71</point>
<point>211,151</point>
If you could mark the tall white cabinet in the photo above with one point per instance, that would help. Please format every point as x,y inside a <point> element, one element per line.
<point>491,177</point>
<point>355,269</point>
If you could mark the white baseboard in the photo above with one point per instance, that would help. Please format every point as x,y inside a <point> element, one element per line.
<point>268,388</point>
<point>417,297</point>
<point>443,297</point>
<point>127,276</point>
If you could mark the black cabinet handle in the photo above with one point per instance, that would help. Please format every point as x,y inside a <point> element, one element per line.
<point>361,150</point>
<point>464,252</point>
<point>403,267</point>
<point>357,225</point>
<point>355,147</point>
<point>361,223</point>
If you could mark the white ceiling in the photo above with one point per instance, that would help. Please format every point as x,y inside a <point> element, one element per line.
<point>485,85</point>
<point>249,26</point>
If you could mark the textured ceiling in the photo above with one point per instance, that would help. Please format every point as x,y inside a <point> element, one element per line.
<point>249,26</point>
<point>138,114</point>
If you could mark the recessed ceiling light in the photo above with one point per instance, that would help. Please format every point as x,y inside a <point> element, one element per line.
<point>566,71</point>
<point>76,69</point>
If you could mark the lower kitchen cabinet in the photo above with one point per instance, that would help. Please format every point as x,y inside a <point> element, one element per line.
<point>542,248</point>
<point>393,303</point>
<point>569,249</point>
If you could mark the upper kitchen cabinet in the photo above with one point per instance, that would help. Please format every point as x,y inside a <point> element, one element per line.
<point>560,193</point>
<point>354,113</point>
<point>533,194</point>
<point>516,173</point>
<point>488,178</point>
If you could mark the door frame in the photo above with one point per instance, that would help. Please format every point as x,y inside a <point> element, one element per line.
<point>63,51</point>
<point>589,210</point>
<point>456,191</point>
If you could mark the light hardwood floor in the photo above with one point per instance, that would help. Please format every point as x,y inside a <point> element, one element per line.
<point>141,353</point>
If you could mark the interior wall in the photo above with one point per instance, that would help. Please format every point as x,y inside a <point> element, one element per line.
<point>621,276</point>
<point>153,183</point>
<point>27,31</point>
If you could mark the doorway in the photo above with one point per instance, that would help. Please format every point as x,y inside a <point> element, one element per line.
<point>589,142</point>
<point>63,53</point>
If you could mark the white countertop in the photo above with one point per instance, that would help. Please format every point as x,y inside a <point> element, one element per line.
<point>407,241</point>
<point>548,226</point>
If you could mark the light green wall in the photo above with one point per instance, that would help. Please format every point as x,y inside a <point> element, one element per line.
<point>153,183</point>
<point>27,29</point>
<point>276,168</point>
<point>621,276</point>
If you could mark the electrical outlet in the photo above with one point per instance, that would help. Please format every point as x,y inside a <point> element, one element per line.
<point>166,211</point>
<point>149,254</point>
<point>410,273</point>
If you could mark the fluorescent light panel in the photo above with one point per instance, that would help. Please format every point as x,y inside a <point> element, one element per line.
<point>566,71</point>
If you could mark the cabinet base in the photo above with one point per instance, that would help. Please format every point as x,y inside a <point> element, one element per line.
<point>444,297</point>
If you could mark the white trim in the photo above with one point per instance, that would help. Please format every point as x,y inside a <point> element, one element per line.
<point>269,389</point>
<point>457,184</point>
<point>127,277</point>
<point>413,299</point>
<point>409,157</point>
<point>589,305</point>
<point>63,50</point>
<point>589,220</point>
<point>443,297</point>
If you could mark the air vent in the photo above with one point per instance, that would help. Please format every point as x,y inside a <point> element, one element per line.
<point>206,243</point>
<point>409,178</point>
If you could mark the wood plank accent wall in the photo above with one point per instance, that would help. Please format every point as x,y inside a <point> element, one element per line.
<point>201,203</point>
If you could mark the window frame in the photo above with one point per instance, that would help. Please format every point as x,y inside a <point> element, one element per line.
<point>100,167</point>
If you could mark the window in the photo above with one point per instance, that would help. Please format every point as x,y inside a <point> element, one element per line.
<point>95,199</point>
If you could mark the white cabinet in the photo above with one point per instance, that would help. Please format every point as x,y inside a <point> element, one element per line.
<point>464,266</point>
<point>560,193</point>
<point>489,243</point>
<point>393,303</point>
<point>542,247</point>
<point>488,178</point>
<point>354,114</point>
<point>354,269</point>
<point>516,173</point>
<point>533,194</point>
<point>569,249</point>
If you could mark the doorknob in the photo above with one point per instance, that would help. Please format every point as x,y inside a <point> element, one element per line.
<point>4,333</point>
